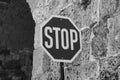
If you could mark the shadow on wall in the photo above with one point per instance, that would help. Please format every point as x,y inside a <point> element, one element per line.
<point>5,1</point>
<point>17,25</point>
<point>15,65</point>
<point>16,40</point>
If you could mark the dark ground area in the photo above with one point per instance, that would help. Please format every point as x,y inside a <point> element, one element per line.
<point>16,40</point>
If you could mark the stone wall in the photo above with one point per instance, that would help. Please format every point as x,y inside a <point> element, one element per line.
<point>98,21</point>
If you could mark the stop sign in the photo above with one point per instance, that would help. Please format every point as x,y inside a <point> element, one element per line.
<point>60,39</point>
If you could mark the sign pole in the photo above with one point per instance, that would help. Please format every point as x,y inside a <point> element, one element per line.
<point>62,70</point>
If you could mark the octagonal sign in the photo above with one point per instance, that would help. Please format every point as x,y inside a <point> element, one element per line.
<point>60,39</point>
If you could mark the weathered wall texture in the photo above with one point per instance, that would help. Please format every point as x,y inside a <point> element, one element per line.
<point>99,23</point>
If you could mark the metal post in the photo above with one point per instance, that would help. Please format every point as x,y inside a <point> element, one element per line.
<point>62,70</point>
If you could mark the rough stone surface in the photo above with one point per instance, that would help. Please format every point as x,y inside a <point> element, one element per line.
<point>98,21</point>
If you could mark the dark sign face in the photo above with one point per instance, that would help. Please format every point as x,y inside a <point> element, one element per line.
<point>61,39</point>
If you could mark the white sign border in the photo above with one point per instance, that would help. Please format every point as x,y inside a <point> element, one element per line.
<point>41,39</point>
